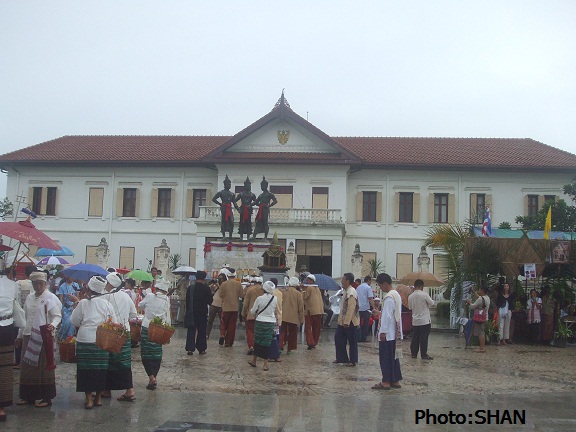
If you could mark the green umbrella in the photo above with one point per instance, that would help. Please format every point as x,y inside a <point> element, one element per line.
<point>140,275</point>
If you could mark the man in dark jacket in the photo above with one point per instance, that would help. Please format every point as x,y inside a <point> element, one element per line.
<point>198,299</point>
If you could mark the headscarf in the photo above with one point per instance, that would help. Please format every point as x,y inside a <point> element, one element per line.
<point>269,287</point>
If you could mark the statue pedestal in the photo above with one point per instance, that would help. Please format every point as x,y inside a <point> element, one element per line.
<point>245,257</point>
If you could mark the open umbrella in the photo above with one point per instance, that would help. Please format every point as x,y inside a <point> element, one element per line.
<point>404,292</point>
<point>326,283</point>
<point>4,248</point>
<point>52,260</point>
<point>84,271</point>
<point>61,251</point>
<point>26,232</point>
<point>21,257</point>
<point>428,278</point>
<point>140,275</point>
<point>184,271</point>
<point>123,270</point>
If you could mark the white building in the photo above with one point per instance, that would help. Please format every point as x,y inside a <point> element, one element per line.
<point>333,192</point>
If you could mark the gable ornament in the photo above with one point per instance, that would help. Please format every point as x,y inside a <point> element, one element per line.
<point>283,136</point>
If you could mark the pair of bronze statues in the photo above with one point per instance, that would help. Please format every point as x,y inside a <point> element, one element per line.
<point>226,199</point>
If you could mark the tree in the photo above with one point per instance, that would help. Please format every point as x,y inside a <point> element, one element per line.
<point>6,208</point>
<point>376,267</point>
<point>563,217</point>
<point>504,225</point>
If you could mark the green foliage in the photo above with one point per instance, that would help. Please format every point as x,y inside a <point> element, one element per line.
<point>562,331</point>
<point>505,225</point>
<point>174,261</point>
<point>6,208</point>
<point>490,329</point>
<point>563,217</point>
<point>376,267</point>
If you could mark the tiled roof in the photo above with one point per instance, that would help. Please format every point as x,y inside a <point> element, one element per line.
<point>120,149</point>
<point>458,152</point>
<point>488,153</point>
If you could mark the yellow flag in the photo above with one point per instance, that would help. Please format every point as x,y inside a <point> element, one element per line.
<point>548,224</point>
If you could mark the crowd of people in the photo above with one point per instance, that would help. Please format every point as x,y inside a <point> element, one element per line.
<point>272,316</point>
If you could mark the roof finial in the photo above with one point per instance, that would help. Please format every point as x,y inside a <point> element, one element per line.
<point>282,102</point>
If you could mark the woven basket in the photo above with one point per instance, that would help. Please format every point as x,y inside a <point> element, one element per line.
<point>67,352</point>
<point>110,340</point>
<point>159,334</point>
<point>135,331</point>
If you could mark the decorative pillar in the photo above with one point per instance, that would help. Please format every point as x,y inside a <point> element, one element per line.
<point>357,259</point>
<point>103,253</point>
<point>161,257</point>
<point>291,260</point>
<point>423,260</point>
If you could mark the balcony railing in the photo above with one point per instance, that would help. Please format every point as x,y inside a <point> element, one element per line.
<point>282,215</point>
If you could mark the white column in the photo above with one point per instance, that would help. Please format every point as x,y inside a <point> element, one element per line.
<point>337,258</point>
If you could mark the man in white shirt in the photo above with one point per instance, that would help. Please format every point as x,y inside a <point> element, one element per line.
<point>365,305</point>
<point>389,330</point>
<point>419,303</point>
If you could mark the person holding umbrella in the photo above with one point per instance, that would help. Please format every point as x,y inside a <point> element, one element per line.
<point>37,383</point>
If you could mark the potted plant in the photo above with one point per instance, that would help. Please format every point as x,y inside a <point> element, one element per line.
<point>562,334</point>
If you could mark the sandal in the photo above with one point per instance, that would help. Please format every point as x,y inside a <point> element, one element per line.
<point>88,406</point>
<point>23,402</point>
<point>479,351</point>
<point>42,404</point>
<point>351,364</point>
<point>252,364</point>
<point>276,360</point>
<point>265,369</point>
<point>395,386</point>
<point>380,386</point>
<point>151,386</point>
<point>125,398</point>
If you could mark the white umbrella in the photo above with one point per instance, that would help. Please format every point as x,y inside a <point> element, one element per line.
<point>53,260</point>
<point>184,271</point>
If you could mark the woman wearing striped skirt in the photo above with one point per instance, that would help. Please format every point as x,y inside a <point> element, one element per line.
<point>264,310</point>
<point>8,293</point>
<point>91,361</point>
<point>154,305</point>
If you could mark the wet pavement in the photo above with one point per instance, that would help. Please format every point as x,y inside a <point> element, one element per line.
<point>306,392</point>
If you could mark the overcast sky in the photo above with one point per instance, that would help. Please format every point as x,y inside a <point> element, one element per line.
<point>356,68</point>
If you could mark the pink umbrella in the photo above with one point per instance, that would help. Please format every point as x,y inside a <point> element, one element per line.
<point>26,232</point>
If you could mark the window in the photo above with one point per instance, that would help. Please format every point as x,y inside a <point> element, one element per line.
<point>51,201</point>
<point>96,202</point>
<point>440,208</point>
<point>366,268</point>
<point>91,255</point>
<point>36,203</point>
<point>129,202</point>
<point>164,203</point>
<point>369,206</point>
<point>127,257</point>
<point>533,206</point>
<point>406,207</point>
<point>192,257</point>
<point>283,195</point>
<point>441,266</point>
<point>198,200</point>
<point>403,264</point>
<point>319,197</point>
<point>549,198</point>
<point>480,207</point>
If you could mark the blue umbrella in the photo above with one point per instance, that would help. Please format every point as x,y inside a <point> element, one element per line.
<point>63,251</point>
<point>326,282</point>
<point>84,271</point>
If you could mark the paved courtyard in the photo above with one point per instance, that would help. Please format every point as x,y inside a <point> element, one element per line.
<point>220,391</point>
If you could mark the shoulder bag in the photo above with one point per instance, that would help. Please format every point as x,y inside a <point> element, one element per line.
<point>480,314</point>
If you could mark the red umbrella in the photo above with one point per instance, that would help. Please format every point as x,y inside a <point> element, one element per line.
<point>26,232</point>
<point>4,248</point>
<point>123,270</point>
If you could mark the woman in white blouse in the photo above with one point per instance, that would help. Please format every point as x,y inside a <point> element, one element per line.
<point>91,361</point>
<point>264,310</point>
<point>154,305</point>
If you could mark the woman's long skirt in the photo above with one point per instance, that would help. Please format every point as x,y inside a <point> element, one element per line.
<point>120,368</point>
<point>6,363</point>
<point>548,328</point>
<point>66,328</point>
<point>35,381</point>
<point>263,334</point>
<point>91,367</point>
<point>151,354</point>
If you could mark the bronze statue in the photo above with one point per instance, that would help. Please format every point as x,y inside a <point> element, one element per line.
<point>264,201</point>
<point>226,213</point>
<point>247,199</point>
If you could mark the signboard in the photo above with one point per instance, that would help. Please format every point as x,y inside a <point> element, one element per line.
<point>560,251</point>
<point>530,271</point>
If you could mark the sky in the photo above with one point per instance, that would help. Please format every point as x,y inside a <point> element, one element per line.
<point>416,68</point>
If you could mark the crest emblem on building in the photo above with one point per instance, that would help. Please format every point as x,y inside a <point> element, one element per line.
<point>283,136</point>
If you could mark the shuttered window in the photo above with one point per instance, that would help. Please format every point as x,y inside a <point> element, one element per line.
<point>127,257</point>
<point>406,207</point>
<point>96,202</point>
<point>403,264</point>
<point>533,205</point>
<point>43,200</point>
<point>198,200</point>
<point>440,208</point>
<point>164,203</point>
<point>129,202</point>
<point>284,195</point>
